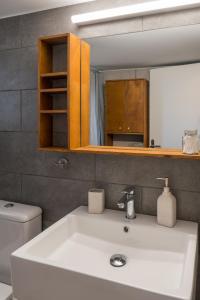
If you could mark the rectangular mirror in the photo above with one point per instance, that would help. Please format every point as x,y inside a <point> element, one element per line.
<point>145,88</point>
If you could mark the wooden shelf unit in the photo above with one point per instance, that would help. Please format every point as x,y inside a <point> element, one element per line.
<point>59,89</point>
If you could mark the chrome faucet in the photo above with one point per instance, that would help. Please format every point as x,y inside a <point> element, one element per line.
<point>128,202</point>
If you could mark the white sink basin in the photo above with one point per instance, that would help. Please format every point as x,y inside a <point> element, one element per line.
<point>71,260</point>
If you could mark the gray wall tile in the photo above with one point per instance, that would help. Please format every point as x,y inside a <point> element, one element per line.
<point>10,112</point>
<point>10,187</point>
<point>185,175</point>
<point>149,200</point>
<point>10,69</point>
<point>10,152</point>
<point>32,159</point>
<point>29,110</point>
<point>10,33</point>
<point>172,19</point>
<point>188,206</point>
<point>38,24</point>
<point>132,170</point>
<point>28,68</point>
<point>56,197</point>
<point>18,69</point>
<point>144,171</point>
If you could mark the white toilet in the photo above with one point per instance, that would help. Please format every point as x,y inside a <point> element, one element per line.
<point>18,224</point>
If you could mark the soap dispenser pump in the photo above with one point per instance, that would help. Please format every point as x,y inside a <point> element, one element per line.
<point>166,206</point>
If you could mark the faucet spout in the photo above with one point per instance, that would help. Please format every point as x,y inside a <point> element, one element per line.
<point>129,203</point>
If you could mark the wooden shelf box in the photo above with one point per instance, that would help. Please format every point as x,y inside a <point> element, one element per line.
<point>59,88</point>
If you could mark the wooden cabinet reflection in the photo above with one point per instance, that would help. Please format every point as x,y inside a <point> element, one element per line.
<point>126,110</point>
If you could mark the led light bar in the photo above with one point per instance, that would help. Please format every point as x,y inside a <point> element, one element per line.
<point>134,10</point>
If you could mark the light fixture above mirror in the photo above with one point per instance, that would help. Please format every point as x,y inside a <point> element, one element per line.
<point>141,9</point>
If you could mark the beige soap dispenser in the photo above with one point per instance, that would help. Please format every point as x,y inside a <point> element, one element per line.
<point>166,206</point>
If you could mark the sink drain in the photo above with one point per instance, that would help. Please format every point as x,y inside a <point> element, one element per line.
<point>118,260</point>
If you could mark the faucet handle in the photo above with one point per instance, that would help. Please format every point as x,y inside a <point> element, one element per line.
<point>121,205</point>
<point>128,192</point>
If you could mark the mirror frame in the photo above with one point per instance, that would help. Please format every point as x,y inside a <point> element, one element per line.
<point>85,124</point>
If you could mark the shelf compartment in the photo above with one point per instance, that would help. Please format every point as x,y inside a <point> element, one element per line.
<point>53,101</point>
<point>124,139</point>
<point>47,83</point>
<point>53,130</point>
<point>53,55</point>
<point>54,91</point>
<point>53,80</point>
<point>53,111</point>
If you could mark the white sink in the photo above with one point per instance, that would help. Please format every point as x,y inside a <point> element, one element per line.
<point>71,260</point>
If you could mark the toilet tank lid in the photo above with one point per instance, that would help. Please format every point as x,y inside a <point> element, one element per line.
<point>18,212</point>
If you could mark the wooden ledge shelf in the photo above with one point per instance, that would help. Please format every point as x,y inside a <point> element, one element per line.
<point>53,149</point>
<point>55,111</point>
<point>150,152</point>
<point>54,91</point>
<point>55,75</point>
<point>124,133</point>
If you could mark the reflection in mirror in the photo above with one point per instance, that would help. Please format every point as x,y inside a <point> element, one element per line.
<point>145,87</point>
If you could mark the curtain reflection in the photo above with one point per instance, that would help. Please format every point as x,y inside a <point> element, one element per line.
<point>97,108</point>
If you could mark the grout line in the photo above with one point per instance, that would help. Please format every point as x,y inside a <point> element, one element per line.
<point>141,201</point>
<point>148,187</point>
<point>20,30</point>
<point>58,178</point>
<point>18,90</point>
<point>142,23</point>
<point>168,27</point>
<point>19,131</point>
<point>20,110</point>
<point>4,173</point>
<point>21,185</point>
<point>18,48</point>
<point>95,169</point>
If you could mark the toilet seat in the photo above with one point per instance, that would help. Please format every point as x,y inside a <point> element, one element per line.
<point>5,292</point>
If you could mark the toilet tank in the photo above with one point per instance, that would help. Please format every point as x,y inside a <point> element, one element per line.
<point>19,223</point>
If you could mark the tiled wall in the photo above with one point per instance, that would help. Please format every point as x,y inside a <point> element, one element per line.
<point>31,177</point>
